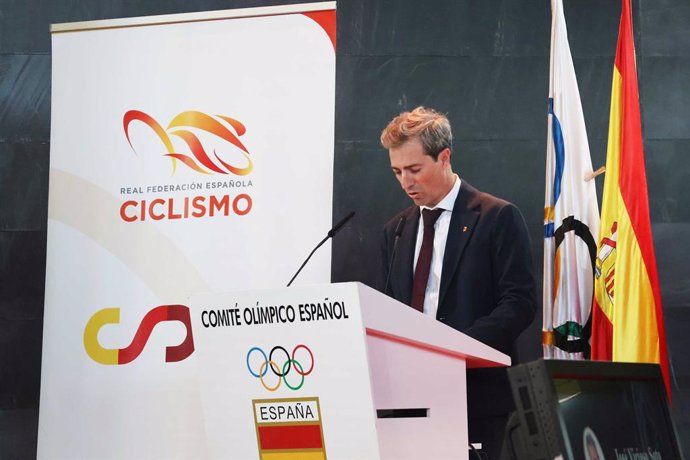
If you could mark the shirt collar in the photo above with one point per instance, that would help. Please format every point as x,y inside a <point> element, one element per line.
<point>448,201</point>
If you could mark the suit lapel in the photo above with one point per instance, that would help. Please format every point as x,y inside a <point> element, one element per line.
<point>462,224</point>
<point>402,270</point>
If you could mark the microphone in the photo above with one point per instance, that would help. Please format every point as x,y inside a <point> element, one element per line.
<point>331,233</point>
<point>398,232</point>
<point>336,228</point>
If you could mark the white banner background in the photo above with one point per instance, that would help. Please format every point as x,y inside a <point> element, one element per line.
<point>274,74</point>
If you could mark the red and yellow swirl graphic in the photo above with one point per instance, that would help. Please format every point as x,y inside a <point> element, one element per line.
<point>130,353</point>
<point>198,158</point>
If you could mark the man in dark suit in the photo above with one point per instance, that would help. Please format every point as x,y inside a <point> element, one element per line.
<point>460,255</point>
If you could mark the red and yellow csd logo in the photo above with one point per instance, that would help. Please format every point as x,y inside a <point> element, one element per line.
<point>130,353</point>
<point>186,126</point>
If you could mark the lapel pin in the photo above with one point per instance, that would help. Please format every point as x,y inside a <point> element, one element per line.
<point>464,229</point>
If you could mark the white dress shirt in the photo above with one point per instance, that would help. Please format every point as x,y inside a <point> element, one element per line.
<point>433,286</point>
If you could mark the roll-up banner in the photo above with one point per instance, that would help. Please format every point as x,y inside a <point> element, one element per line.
<point>189,153</point>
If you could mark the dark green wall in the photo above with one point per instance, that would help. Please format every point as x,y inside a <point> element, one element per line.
<point>483,62</point>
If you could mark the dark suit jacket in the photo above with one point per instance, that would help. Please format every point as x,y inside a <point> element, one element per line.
<point>488,288</point>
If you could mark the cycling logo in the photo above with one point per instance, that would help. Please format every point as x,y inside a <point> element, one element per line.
<point>280,367</point>
<point>234,158</point>
<point>162,313</point>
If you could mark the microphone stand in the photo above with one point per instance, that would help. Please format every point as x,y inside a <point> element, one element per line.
<point>309,257</point>
<point>398,232</point>
<point>331,233</point>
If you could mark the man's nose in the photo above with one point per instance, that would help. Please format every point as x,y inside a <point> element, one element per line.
<point>406,180</point>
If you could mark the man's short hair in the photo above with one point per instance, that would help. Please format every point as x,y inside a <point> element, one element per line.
<point>429,126</point>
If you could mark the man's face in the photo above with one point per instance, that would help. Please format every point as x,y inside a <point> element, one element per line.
<point>424,180</point>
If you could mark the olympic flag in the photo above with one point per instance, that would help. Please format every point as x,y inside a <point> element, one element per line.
<point>571,214</point>
<point>628,322</point>
<point>189,153</point>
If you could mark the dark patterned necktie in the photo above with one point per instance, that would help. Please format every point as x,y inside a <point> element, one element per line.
<point>421,272</point>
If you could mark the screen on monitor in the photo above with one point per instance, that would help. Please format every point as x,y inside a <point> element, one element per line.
<point>592,410</point>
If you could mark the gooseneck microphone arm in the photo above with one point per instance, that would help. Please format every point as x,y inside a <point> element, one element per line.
<point>331,233</point>
<point>398,232</point>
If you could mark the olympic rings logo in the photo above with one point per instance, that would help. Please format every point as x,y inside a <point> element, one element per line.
<point>258,364</point>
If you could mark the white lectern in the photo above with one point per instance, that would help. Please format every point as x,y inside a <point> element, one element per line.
<point>336,371</point>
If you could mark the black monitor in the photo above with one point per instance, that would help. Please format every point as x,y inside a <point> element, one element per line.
<point>591,410</point>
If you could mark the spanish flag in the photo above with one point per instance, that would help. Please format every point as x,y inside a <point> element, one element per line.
<point>628,322</point>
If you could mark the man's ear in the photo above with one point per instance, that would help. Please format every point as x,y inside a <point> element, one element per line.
<point>444,155</point>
